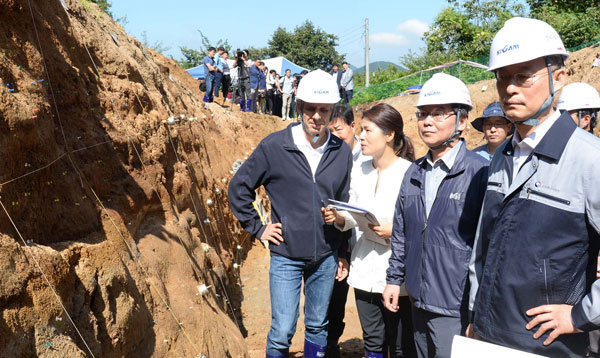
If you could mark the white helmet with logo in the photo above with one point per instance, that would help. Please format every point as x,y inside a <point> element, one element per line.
<point>318,86</point>
<point>442,88</point>
<point>521,40</point>
<point>578,95</point>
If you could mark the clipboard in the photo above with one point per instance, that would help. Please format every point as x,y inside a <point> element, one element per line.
<point>359,214</point>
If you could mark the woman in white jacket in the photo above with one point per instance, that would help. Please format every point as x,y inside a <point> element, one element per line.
<point>374,186</point>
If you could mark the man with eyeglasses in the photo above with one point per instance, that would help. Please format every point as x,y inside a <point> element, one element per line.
<point>495,127</point>
<point>435,220</point>
<point>533,270</point>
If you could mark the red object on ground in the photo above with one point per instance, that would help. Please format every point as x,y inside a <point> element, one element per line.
<point>229,95</point>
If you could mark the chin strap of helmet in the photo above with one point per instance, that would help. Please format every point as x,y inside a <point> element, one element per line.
<point>533,120</point>
<point>304,126</point>
<point>454,135</point>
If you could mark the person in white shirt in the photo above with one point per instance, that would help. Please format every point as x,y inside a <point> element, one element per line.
<point>287,88</point>
<point>374,186</point>
<point>343,126</point>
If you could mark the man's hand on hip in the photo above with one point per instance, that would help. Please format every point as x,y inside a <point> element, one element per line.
<point>273,234</point>
<point>551,317</point>
<point>342,270</point>
<point>390,297</point>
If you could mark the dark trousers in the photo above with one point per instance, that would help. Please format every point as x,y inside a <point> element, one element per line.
<point>434,333</point>
<point>270,100</point>
<point>277,102</point>
<point>293,115</point>
<point>254,97</point>
<point>348,95</point>
<point>226,83</point>
<point>244,89</point>
<point>385,331</point>
<point>217,83</point>
<point>337,311</point>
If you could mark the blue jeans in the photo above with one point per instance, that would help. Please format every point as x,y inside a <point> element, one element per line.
<point>209,80</point>
<point>217,83</point>
<point>285,281</point>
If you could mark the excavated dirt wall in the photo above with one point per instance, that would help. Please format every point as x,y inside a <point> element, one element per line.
<point>124,209</point>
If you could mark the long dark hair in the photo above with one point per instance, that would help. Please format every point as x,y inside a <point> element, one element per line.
<point>389,119</point>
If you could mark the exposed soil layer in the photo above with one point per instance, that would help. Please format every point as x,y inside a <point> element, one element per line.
<point>125,213</point>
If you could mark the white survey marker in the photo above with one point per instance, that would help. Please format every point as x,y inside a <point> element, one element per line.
<point>463,347</point>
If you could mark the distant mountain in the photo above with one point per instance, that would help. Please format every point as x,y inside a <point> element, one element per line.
<point>376,66</point>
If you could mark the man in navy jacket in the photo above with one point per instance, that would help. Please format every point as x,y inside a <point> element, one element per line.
<point>255,73</point>
<point>533,282</point>
<point>300,167</point>
<point>436,219</point>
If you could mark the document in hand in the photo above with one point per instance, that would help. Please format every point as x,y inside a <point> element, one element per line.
<point>463,347</point>
<point>359,214</point>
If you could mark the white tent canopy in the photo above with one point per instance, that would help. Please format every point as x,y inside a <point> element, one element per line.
<point>279,64</point>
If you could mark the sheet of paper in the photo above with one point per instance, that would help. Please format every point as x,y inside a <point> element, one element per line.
<point>463,347</point>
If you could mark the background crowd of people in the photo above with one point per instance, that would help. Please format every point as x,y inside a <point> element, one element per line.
<point>258,89</point>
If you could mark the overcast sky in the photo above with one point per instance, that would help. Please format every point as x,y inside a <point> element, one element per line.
<point>394,26</point>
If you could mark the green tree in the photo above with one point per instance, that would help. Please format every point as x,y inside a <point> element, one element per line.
<point>193,57</point>
<point>261,52</point>
<point>464,30</point>
<point>157,46</point>
<point>308,46</point>
<point>577,22</point>
<point>104,5</point>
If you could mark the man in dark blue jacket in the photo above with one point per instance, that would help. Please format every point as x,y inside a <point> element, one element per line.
<point>533,282</point>
<point>436,219</point>
<point>300,167</point>
<point>255,73</point>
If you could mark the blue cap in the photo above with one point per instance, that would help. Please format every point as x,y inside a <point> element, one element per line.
<point>492,110</point>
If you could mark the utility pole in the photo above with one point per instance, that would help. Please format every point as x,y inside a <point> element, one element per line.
<point>367,71</point>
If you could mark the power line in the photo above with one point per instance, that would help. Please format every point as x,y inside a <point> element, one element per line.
<point>360,29</point>
<point>350,30</point>
<point>356,40</point>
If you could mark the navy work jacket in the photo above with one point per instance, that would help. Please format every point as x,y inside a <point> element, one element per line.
<point>538,240</point>
<point>431,254</point>
<point>296,196</point>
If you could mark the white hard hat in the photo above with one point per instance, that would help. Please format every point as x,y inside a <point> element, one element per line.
<point>318,86</point>
<point>578,95</point>
<point>521,40</point>
<point>442,88</point>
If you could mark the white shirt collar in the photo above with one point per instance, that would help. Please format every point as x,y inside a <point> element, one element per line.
<point>301,141</point>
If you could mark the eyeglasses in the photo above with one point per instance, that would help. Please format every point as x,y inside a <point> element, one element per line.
<point>437,116</point>
<point>524,80</point>
<point>488,125</point>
